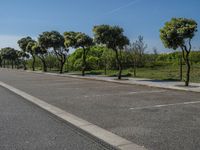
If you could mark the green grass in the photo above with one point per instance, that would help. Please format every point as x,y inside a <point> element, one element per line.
<point>168,72</point>
<point>157,73</point>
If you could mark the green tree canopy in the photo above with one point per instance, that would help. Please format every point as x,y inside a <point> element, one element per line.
<point>113,37</point>
<point>70,39</point>
<point>9,54</point>
<point>41,53</point>
<point>178,33</point>
<point>51,39</point>
<point>79,40</point>
<point>55,41</point>
<point>23,42</point>
<point>29,49</point>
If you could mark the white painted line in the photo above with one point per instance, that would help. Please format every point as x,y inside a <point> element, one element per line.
<point>125,93</point>
<point>146,92</point>
<point>164,105</point>
<point>98,132</point>
<point>91,87</point>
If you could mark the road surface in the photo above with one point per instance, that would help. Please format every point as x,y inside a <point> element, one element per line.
<point>23,126</point>
<point>158,119</point>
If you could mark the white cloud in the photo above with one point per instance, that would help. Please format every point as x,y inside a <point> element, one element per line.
<point>122,7</point>
<point>9,41</point>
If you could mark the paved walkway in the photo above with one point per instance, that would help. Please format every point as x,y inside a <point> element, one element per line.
<point>176,85</point>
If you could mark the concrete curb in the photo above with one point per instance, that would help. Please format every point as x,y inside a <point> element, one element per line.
<point>95,131</point>
<point>170,87</point>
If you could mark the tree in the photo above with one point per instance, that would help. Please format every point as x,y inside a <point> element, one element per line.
<point>97,58</point>
<point>137,50</point>
<point>18,60</point>
<point>13,56</point>
<point>9,54</point>
<point>1,60</point>
<point>41,53</point>
<point>4,55</point>
<point>55,41</point>
<point>22,57</point>
<point>113,38</point>
<point>23,42</point>
<point>79,40</point>
<point>29,49</point>
<point>106,58</point>
<point>178,33</point>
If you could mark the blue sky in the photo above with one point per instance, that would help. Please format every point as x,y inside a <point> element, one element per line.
<point>19,18</point>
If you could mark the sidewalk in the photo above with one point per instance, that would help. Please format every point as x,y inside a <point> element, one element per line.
<point>174,85</point>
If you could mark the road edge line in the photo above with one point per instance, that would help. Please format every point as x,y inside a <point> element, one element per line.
<point>97,132</point>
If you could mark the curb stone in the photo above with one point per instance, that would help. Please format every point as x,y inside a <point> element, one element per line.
<point>97,132</point>
<point>138,82</point>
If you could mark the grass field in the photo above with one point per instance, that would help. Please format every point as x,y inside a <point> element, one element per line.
<point>168,72</point>
<point>158,73</point>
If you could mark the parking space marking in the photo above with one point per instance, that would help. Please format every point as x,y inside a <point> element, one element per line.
<point>95,131</point>
<point>126,93</point>
<point>97,87</point>
<point>164,105</point>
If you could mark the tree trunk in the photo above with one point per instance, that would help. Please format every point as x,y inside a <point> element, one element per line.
<point>42,59</point>
<point>62,63</point>
<point>119,65</point>
<point>4,63</point>
<point>187,61</point>
<point>17,64</point>
<point>134,69</point>
<point>105,69</point>
<point>61,67</point>
<point>25,68</point>
<point>84,62</point>
<point>181,68</point>
<point>44,65</point>
<point>33,64</point>
<point>67,69</point>
<point>12,64</point>
<point>24,64</point>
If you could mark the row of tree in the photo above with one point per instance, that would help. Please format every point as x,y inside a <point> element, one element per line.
<point>111,36</point>
<point>176,33</point>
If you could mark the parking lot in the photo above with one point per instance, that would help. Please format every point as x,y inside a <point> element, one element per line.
<point>155,118</point>
<point>26,127</point>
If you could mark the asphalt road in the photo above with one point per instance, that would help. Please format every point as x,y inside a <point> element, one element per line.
<point>23,126</point>
<point>157,118</point>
